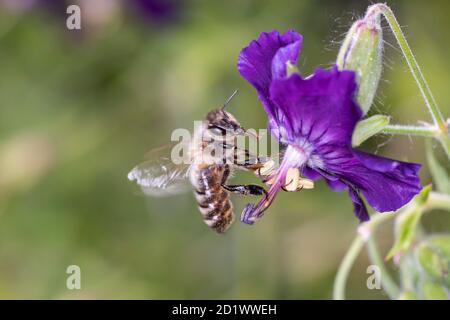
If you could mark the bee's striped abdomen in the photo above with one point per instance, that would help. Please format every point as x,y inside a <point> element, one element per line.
<point>213,201</point>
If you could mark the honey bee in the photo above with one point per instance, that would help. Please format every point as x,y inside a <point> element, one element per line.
<point>206,171</point>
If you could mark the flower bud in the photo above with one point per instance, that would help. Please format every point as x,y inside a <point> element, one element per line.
<point>362,52</point>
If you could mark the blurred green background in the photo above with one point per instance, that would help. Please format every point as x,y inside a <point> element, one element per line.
<point>78,109</point>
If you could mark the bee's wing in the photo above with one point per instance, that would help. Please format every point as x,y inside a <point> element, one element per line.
<point>159,176</point>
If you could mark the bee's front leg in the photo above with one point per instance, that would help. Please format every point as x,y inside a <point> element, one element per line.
<point>249,189</point>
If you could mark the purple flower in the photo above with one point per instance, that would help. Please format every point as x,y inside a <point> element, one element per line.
<point>314,117</point>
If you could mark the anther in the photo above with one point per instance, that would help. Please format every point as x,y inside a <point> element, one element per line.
<point>292,179</point>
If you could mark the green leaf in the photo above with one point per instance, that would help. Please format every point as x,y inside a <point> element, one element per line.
<point>434,291</point>
<point>422,197</point>
<point>406,223</point>
<point>439,173</point>
<point>369,127</point>
<point>405,229</point>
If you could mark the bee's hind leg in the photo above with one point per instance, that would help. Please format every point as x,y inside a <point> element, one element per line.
<point>249,189</point>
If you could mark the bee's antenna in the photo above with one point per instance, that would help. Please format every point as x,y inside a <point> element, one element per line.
<point>230,98</point>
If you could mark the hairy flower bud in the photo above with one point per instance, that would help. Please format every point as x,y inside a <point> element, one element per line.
<point>362,52</point>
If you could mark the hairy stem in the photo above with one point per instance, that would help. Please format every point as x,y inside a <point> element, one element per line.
<point>421,131</point>
<point>437,200</point>
<point>444,138</point>
<point>435,112</point>
<point>410,59</point>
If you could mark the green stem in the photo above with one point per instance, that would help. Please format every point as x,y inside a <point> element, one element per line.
<point>410,59</point>
<point>345,267</point>
<point>411,130</point>
<point>444,138</point>
<point>389,285</point>
<point>435,112</point>
<point>364,233</point>
<point>437,200</point>
<point>440,132</point>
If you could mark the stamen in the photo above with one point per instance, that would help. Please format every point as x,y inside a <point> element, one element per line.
<point>267,168</point>
<point>292,179</point>
<point>306,183</point>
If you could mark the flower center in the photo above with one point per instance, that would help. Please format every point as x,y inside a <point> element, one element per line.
<point>295,156</point>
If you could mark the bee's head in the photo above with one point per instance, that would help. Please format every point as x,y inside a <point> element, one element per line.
<point>221,122</point>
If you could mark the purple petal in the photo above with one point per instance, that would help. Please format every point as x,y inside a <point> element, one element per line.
<point>264,60</point>
<point>333,182</point>
<point>319,109</point>
<point>310,173</point>
<point>359,208</point>
<point>336,185</point>
<point>386,184</point>
<point>283,55</point>
<point>391,183</point>
<point>382,164</point>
